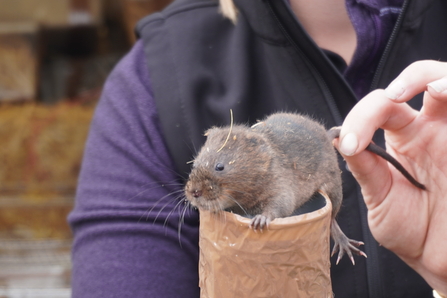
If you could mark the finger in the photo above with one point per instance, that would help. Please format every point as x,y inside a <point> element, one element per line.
<point>374,111</point>
<point>414,79</point>
<point>435,99</point>
<point>371,172</point>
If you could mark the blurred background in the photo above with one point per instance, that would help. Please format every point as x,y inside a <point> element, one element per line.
<point>54,58</point>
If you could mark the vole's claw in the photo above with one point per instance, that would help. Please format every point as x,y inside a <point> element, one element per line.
<point>259,222</point>
<point>347,247</point>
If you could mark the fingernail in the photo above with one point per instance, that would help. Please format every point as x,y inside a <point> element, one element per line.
<point>349,144</point>
<point>439,85</point>
<point>395,90</point>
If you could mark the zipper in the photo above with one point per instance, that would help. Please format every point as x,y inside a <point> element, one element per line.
<point>389,46</point>
<point>375,285</point>
<point>373,272</point>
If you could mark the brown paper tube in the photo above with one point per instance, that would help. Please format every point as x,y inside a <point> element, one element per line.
<point>290,259</point>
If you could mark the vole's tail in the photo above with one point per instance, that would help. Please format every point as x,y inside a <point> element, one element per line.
<point>334,133</point>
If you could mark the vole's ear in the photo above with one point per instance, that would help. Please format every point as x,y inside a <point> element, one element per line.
<point>209,131</point>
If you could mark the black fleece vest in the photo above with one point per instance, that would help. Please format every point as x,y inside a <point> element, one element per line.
<point>201,66</point>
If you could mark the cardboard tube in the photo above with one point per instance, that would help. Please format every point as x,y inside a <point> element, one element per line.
<point>290,259</point>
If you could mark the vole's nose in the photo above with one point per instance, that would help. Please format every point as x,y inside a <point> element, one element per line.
<point>196,193</point>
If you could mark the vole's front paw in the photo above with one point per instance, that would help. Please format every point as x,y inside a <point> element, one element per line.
<point>259,222</point>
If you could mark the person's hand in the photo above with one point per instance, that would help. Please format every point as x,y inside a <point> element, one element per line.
<point>407,220</point>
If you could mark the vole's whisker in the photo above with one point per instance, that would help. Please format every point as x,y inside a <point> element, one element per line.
<point>237,203</point>
<point>173,209</point>
<point>181,221</point>
<point>158,185</point>
<point>164,206</point>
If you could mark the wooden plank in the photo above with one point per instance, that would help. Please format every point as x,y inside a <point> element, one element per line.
<point>37,268</point>
<point>42,148</point>
<point>18,62</point>
<point>22,219</point>
<point>51,12</point>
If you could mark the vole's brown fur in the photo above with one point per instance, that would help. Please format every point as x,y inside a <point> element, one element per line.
<point>269,170</point>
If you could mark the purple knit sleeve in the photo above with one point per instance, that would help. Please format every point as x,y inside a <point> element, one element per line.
<point>132,235</point>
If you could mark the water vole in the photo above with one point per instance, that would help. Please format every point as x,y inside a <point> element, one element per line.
<point>268,171</point>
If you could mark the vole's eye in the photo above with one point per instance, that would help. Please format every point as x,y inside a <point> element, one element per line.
<point>219,167</point>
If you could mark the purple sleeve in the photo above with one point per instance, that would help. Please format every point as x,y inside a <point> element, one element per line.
<point>127,213</point>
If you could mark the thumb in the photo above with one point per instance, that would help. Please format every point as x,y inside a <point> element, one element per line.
<point>371,171</point>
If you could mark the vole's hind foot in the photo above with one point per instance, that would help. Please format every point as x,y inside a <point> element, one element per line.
<point>343,244</point>
<point>259,222</point>
<point>348,246</point>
